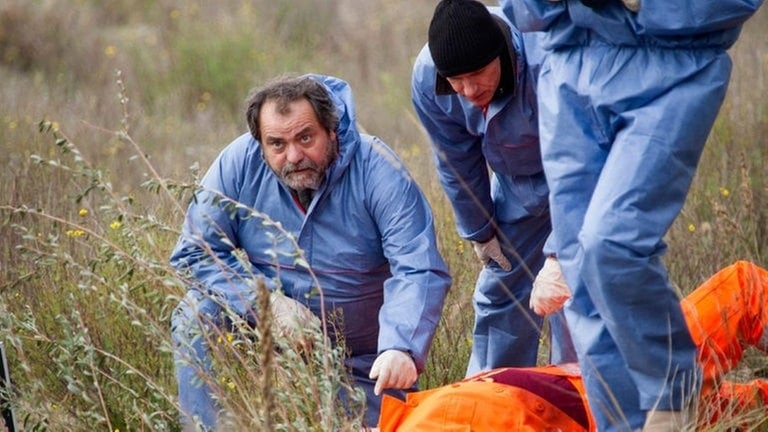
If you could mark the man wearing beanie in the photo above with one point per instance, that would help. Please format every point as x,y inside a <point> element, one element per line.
<point>473,90</point>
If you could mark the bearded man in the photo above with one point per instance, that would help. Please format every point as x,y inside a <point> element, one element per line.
<point>345,201</point>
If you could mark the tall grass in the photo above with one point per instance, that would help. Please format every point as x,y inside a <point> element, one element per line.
<point>99,166</point>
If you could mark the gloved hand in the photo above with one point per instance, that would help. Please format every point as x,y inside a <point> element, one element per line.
<point>393,369</point>
<point>549,289</point>
<point>290,317</point>
<point>491,250</point>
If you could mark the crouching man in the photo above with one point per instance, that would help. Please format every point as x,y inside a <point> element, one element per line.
<point>305,179</point>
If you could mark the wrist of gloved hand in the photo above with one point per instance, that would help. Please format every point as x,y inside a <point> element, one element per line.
<point>550,291</point>
<point>491,251</point>
<point>393,369</point>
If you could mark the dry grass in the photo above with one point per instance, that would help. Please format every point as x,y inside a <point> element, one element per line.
<point>86,298</point>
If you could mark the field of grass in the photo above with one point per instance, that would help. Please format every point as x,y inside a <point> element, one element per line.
<point>109,112</point>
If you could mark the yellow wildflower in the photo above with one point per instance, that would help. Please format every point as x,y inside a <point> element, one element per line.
<point>724,192</point>
<point>75,233</point>
<point>228,382</point>
<point>229,337</point>
<point>691,227</point>
<point>83,212</point>
<point>115,225</point>
<point>110,51</point>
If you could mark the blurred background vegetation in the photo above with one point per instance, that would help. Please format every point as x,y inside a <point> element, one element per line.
<point>136,97</point>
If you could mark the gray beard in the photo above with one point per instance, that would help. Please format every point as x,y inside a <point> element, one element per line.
<point>330,157</point>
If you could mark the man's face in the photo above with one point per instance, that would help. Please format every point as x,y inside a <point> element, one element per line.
<point>479,86</point>
<point>296,146</point>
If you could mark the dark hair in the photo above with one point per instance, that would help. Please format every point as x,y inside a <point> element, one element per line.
<point>285,90</point>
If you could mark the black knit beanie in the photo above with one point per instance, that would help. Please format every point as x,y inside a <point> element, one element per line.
<point>463,37</point>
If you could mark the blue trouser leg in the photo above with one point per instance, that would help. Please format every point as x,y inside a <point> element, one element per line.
<point>620,150</point>
<point>192,360</point>
<point>562,349</point>
<point>506,331</point>
<point>610,389</point>
<point>193,365</point>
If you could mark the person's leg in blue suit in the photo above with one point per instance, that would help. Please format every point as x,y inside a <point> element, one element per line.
<point>619,161</point>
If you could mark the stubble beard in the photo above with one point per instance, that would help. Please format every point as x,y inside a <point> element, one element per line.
<point>312,175</point>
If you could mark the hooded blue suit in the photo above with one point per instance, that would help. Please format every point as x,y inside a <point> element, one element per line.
<point>489,164</point>
<point>626,102</point>
<point>367,236</point>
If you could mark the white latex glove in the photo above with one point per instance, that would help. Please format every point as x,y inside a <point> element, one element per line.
<point>549,289</point>
<point>491,250</point>
<point>290,317</point>
<point>393,369</point>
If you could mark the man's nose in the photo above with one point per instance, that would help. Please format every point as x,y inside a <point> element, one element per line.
<point>468,88</point>
<point>294,154</point>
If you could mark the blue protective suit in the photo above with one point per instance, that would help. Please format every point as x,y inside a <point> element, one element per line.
<point>368,237</point>
<point>626,103</point>
<point>510,202</point>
